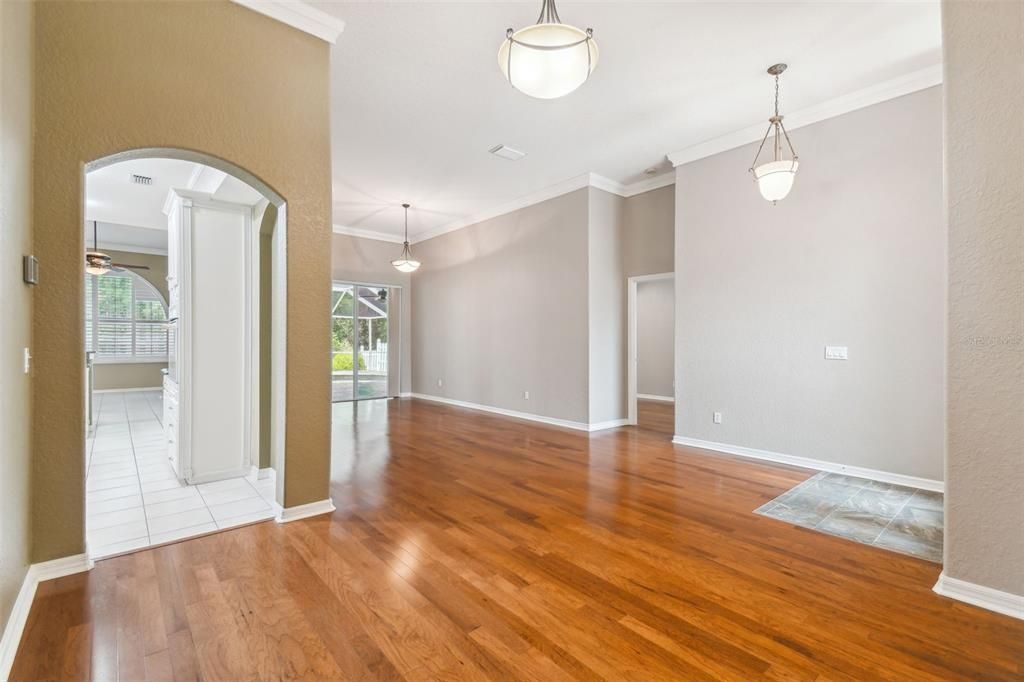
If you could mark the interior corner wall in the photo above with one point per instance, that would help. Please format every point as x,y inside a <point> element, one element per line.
<point>500,308</point>
<point>650,223</point>
<point>983,46</point>
<point>213,77</point>
<point>15,298</point>
<point>356,259</point>
<point>606,305</point>
<point>855,256</point>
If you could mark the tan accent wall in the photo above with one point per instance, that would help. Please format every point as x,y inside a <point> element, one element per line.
<point>983,47</point>
<point>116,376</point>
<point>15,298</point>
<point>211,77</point>
<point>854,256</point>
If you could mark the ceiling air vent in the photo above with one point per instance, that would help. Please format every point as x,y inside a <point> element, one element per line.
<point>507,152</point>
<point>141,179</point>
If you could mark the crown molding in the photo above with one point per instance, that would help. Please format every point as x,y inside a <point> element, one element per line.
<point>649,184</point>
<point>296,14</point>
<point>363,233</point>
<point>844,104</point>
<point>550,192</point>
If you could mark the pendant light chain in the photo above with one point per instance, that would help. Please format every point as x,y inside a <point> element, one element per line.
<point>406,253</point>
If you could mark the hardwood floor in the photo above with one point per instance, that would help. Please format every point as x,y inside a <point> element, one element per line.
<point>656,416</point>
<point>472,546</point>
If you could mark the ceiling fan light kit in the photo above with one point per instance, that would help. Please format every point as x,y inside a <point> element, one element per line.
<point>405,262</point>
<point>549,59</point>
<point>775,178</point>
<point>98,263</point>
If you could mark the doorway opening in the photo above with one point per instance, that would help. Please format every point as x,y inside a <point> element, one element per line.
<point>183,257</point>
<point>365,357</point>
<point>651,352</point>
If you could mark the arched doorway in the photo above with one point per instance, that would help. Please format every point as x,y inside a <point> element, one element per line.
<point>139,430</point>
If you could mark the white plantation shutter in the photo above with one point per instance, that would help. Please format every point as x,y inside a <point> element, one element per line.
<point>125,318</point>
<point>89,346</point>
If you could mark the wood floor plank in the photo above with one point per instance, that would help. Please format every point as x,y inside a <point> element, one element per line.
<point>473,546</point>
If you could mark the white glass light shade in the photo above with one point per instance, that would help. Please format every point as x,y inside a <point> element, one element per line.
<point>547,73</point>
<point>97,263</point>
<point>775,178</point>
<point>405,264</point>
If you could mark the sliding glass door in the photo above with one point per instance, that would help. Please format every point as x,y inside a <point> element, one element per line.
<point>359,342</point>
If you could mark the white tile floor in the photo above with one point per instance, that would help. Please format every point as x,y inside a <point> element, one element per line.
<point>133,498</point>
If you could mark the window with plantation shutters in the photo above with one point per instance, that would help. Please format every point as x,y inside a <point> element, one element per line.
<point>125,318</point>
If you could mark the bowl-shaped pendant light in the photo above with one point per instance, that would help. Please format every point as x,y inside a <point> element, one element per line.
<point>405,262</point>
<point>549,59</point>
<point>775,178</point>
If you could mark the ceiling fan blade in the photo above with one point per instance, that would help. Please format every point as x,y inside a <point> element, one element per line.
<point>133,267</point>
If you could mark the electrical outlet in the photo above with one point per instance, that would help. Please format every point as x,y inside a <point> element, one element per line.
<point>27,358</point>
<point>717,417</point>
<point>440,382</point>
<point>526,395</point>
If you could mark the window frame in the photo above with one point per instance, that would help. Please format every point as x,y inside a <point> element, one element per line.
<point>136,279</point>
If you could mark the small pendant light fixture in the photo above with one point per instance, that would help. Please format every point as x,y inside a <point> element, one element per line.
<point>775,178</point>
<point>405,262</point>
<point>549,59</point>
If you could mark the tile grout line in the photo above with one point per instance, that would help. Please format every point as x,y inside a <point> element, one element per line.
<point>138,477</point>
<point>898,511</point>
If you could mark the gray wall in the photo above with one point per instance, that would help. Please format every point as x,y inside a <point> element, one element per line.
<point>855,256</point>
<point>606,306</point>
<point>650,223</point>
<point>138,374</point>
<point>15,297</point>
<point>984,75</point>
<point>354,259</point>
<point>500,308</point>
<point>655,315</point>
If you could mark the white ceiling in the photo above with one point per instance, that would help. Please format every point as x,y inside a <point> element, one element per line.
<point>131,215</point>
<point>418,98</point>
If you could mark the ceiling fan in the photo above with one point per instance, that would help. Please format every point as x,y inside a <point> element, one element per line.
<point>99,263</point>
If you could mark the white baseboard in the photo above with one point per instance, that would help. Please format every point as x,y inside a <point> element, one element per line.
<point>611,424</point>
<point>304,511</point>
<point>257,474</point>
<point>405,395</point>
<point>808,463</point>
<point>529,416</point>
<point>127,390</point>
<point>978,595</point>
<point>659,398</point>
<point>36,573</point>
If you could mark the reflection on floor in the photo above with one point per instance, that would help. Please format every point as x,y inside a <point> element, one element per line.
<point>906,520</point>
<point>133,498</point>
<point>370,386</point>
<point>656,415</point>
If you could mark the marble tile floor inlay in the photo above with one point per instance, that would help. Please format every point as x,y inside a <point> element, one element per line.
<point>133,497</point>
<point>893,517</point>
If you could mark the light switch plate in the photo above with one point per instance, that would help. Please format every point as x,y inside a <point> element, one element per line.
<point>836,353</point>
